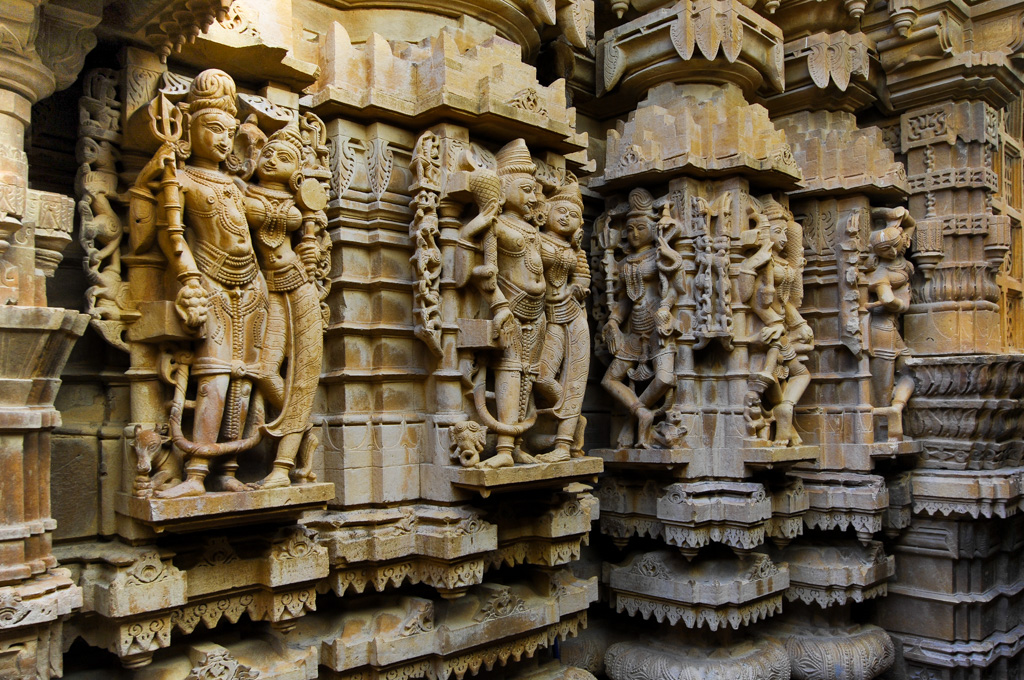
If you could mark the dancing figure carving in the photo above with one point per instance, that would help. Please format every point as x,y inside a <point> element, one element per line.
<point>641,330</point>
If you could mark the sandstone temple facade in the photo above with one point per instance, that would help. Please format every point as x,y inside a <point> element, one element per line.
<point>512,339</point>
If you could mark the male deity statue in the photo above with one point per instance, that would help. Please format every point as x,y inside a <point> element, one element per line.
<point>512,281</point>
<point>222,295</point>
<point>565,359</point>
<point>888,275</point>
<point>771,282</point>
<point>640,332</point>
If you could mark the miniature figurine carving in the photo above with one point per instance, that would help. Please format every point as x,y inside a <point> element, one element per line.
<point>640,332</point>
<point>565,358</point>
<point>157,466</point>
<point>888,275</point>
<point>771,282</point>
<point>468,439</point>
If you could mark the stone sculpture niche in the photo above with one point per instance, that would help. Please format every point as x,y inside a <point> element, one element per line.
<point>700,291</point>
<point>888,274</point>
<point>521,278</point>
<point>223,305</point>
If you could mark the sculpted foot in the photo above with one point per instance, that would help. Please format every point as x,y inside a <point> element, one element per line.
<point>523,458</point>
<point>559,455</point>
<point>227,483</point>
<point>500,460</point>
<point>190,487</point>
<point>275,480</point>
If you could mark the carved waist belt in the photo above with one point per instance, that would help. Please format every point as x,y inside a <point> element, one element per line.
<point>563,311</point>
<point>522,304</point>
<point>286,279</point>
<point>229,270</point>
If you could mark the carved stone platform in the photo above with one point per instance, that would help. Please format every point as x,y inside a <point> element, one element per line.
<point>840,500</point>
<point>407,637</point>
<point>225,508</point>
<point>836,572</point>
<point>974,493</point>
<point>727,463</point>
<point>487,481</point>
<point>662,660</point>
<point>716,593</point>
<point>690,515</point>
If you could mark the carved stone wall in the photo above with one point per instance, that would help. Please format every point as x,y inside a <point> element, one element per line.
<point>511,339</point>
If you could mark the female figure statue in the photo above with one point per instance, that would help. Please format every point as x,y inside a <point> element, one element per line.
<point>888,276</point>
<point>771,282</point>
<point>640,332</point>
<point>565,358</point>
<point>294,325</point>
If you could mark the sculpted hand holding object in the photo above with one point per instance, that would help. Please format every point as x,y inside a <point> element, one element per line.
<point>771,282</point>
<point>640,332</point>
<point>888,277</point>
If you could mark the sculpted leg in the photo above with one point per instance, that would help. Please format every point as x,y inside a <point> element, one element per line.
<point>506,395</point>
<point>210,398</point>
<point>614,385</point>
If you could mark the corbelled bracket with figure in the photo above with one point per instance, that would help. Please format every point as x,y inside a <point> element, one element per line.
<point>888,273</point>
<point>523,341</point>
<point>225,275</point>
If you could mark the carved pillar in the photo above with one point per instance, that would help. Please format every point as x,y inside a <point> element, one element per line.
<point>954,77</point>
<point>36,55</point>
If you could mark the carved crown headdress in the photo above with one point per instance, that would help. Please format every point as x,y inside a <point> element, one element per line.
<point>212,90</point>
<point>568,193</point>
<point>641,204</point>
<point>289,135</point>
<point>514,158</point>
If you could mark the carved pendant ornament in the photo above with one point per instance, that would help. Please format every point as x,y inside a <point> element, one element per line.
<point>215,281</point>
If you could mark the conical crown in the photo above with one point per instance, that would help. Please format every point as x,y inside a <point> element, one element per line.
<point>514,158</point>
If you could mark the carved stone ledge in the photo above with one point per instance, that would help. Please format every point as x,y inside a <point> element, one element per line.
<point>966,411</point>
<point>837,70</point>
<point>135,639</point>
<point>747,660</point>
<point>42,599</point>
<point>836,572</point>
<point>979,654</point>
<point>451,76</point>
<point>217,509</point>
<point>840,500</point>
<point>850,653</point>
<point>488,481</point>
<point>821,141</point>
<point>717,593</point>
<point>735,463</point>
<point>970,493</point>
<point>435,637</point>
<point>636,154</point>
<point>697,41</point>
<point>692,515</point>
<point>697,513</point>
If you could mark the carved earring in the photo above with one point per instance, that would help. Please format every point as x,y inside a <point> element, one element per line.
<point>295,180</point>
